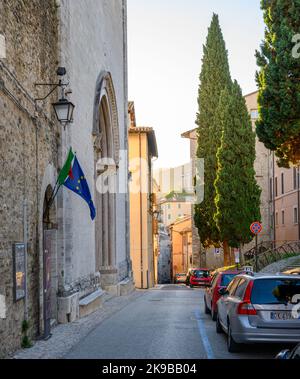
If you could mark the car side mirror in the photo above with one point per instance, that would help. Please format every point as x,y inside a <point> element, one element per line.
<point>284,354</point>
<point>223,291</point>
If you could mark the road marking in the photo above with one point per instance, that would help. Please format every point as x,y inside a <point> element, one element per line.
<point>203,335</point>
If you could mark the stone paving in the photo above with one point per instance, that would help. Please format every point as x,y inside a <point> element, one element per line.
<point>66,336</point>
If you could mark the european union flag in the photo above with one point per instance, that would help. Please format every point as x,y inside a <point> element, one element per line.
<point>77,183</point>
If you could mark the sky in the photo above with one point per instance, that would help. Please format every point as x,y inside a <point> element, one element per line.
<point>165,46</point>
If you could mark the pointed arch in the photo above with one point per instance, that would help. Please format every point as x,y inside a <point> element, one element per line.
<point>106,145</point>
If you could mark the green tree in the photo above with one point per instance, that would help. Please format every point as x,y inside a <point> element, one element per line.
<point>214,77</point>
<point>278,126</point>
<point>237,193</point>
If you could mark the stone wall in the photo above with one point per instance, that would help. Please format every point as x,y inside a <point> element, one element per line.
<point>28,144</point>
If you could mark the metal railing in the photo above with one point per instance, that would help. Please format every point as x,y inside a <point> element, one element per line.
<point>269,252</point>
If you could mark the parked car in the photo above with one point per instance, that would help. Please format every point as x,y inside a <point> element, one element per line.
<point>211,296</point>
<point>292,271</point>
<point>180,278</point>
<point>198,277</point>
<point>259,308</point>
<point>288,354</point>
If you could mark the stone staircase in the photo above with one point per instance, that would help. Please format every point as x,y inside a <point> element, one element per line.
<point>272,251</point>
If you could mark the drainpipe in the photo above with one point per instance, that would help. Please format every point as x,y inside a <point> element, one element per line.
<point>25,253</point>
<point>274,203</point>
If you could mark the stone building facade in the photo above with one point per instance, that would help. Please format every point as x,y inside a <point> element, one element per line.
<point>70,256</point>
<point>262,166</point>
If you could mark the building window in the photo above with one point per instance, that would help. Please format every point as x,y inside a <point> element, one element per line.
<point>295,215</point>
<point>271,189</point>
<point>282,183</point>
<point>282,217</point>
<point>179,206</point>
<point>272,221</point>
<point>169,206</point>
<point>254,114</point>
<point>276,187</point>
<point>169,217</point>
<point>295,177</point>
<point>276,218</point>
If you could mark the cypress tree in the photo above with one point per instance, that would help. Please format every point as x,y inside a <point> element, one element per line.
<point>214,77</point>
<point>237,193</point>
<point>278,126</point>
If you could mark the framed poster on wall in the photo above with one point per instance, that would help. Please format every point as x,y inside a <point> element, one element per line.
<point>19,271</point>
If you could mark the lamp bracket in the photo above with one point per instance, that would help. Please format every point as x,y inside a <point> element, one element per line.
<point>54,85</point>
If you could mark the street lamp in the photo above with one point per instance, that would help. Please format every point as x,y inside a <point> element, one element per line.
<point>63,108</point>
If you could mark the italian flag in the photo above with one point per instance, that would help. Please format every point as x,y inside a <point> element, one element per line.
<point>66,171</point>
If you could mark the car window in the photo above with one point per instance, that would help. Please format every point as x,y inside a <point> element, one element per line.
<point>200,274</point>
<point>274,291</point>
<point>241,288</point>
<point>296,353</point>
<point>226,279</point>
<point>232,286</point>
<point>214,280</point>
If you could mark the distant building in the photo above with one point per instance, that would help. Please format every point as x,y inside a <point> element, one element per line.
<point>181,245</point>
<point>262,167</point>
<point>175,179</point>
<point>173,209</point>
<point>164,256</point>
<point>198,253</point>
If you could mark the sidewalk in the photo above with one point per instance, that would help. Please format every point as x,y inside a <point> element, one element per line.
<point>65,336</point>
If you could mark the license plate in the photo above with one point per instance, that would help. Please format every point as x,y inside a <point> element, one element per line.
<point>282,316</point>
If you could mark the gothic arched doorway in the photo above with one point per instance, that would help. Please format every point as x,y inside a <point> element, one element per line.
<point>106,156</point>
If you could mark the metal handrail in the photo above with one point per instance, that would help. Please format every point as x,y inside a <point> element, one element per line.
<point>276,254</point>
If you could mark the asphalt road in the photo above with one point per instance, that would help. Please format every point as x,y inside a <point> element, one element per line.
<point>165,323</point>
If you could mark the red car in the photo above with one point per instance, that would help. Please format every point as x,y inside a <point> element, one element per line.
<point>211,296</point>
<point>198,277</point>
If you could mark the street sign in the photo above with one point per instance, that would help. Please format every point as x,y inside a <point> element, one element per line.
<point>256,227</point>
<point>248,268</point>
<point>237,255</point>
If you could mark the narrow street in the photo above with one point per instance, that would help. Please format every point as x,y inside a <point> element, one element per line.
<point>167,322</point>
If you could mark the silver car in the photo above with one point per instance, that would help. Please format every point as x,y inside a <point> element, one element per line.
<point>260,308</point>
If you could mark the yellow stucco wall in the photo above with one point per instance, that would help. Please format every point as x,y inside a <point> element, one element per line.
<point>181,236</point>
<point>141,228</point>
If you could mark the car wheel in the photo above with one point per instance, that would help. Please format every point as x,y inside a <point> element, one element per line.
<point>232,346</point>
<point>219,328</point>
<point>213,314</point>
<point>206,309</point>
